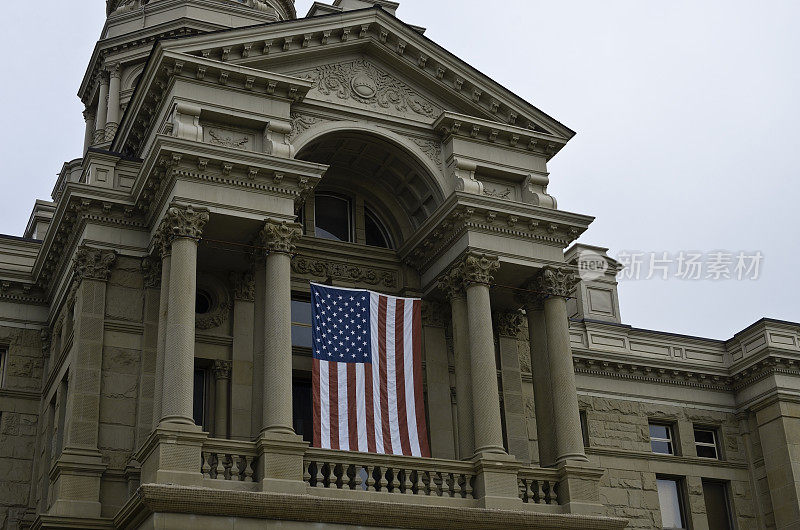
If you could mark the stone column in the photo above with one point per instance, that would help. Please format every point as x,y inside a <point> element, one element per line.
<point>278,239</point>
<point>88,138</point>
<point>76,479</point>
<point>183,229</point>
<point>165,251</point>
<point>555,284</point>
<point>452,284</point>
<point>112,117</point>
<point>102,110</point>
<point>222,378</point>
<point>487,424</point>
<point>146,392</point>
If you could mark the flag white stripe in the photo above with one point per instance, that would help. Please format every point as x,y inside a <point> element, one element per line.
<point>324,416</point>
<point>361,408</point>
<point>376,372</point>
<point>344,429</point>
<point>391,384</point>
<point>408,368</point>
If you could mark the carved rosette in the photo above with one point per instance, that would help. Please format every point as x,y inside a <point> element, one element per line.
<point>554,281</point>
<point>451,283</point>
<point>93,263</point>
<point>434,314</point>
<point>244,286</point>
<point>478,268</point>
<point>280,236</point>
<point>508,323</point>
<point>151,272</point>
<point>222,369</point>
<point>183,222</point>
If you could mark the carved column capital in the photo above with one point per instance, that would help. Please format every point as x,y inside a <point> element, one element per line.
<point>113,70</point>
<point>93,263</point>
<point>434,314</point>
<point>222,369</point>
<point>151,272</point>
<point>47,340</point>
<point>554,281</point>
<point>244,286</point>
<point>279,236</point>
<point>451,283</point>
<point>183,222</point>
<point>89,115</point>
<point>478,268</point>
<point>508,323</point>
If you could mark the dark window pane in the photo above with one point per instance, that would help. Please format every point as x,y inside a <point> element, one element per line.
<point>332,217</point>
<point>199,400</point>
<point>670,502</point>
<point>659,431</point>
<point>303,411</point>
<point>376,233</point>
<point>584,428</point>
<point>704,436</point>
<point>664,448</point>
<point>717,509</point>
<point>706,451</point>
<point>301,312</point>
<point>301,336</point>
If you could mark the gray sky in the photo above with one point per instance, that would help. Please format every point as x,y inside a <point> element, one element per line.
<point>686,113</point>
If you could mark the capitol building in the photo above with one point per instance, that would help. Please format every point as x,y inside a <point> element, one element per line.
<point>155,316</point>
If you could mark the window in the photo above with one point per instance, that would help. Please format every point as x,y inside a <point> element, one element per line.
<point>661,439</point>
<point>670,499</point>
<point>718,508</point>
<point>332,219</point>
<point>585,428</point>
<point>301,323</point>
<point>3,355</point>
<point>375,231</point>
<point>303,409</point>
<point>199,402</point>
<point>705,441</point>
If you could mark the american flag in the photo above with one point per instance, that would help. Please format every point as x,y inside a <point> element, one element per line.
<point>367,375</point>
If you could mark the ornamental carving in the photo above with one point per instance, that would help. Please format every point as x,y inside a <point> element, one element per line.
<point>151,272</point>
<point>346,272</point>
<point>228,139</point>
<point>220,303</point>
<point>434,314</point>
<point>478,268</point>
<point>508,324</point>
<point>93,263</point>
<point>279,236</point>
<point>244,286</point>
<point>301,123</point>
<point>184,221</point>
<point>554,281</point>
<point>451,283</point>
<point>363,82</point>
<point>432,150</point>
<point>222,369</point>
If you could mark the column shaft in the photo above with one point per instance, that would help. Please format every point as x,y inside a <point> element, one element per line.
<point>542,391</point>
<point>112,117</point>
<point>463,369</point>
<point>91,127</point>
<point>260,291</point>
<point>163,307</point>
<point>102,111</point>
<point>222,376</point>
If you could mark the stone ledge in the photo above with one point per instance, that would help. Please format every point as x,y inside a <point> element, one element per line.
<point>156,498</point>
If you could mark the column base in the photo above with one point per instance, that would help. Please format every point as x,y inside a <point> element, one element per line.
<point>280,462</point>
<point>172,454</point>
<point>76,483</point>
<point>579,487</point>
<point>496,484</point>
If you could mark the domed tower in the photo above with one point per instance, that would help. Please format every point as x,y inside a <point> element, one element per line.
<point>131,29</point>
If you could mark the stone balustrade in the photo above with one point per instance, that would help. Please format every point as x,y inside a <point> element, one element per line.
<point>538,486</point>
<point>228,460</point>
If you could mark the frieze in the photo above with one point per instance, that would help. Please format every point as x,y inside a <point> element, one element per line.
<point>347,272</point>
<point>361,81</point>
<point>671,376</point>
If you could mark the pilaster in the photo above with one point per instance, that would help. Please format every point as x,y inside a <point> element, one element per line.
<point>102,109</point>
<point>222,380</point>
<point>509,324</point>
<point>437,373</point>
<point>242,371</point>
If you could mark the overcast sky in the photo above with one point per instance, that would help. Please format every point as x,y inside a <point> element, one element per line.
<point>687,114</point>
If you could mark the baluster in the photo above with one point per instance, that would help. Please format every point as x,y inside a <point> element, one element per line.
<point>330,476</point>
<point>407,489</point>
<point>433,488</point>
<point>457,485</point>
<point>220,467</point>
<point>248,469</point>
<point>468,486</point>
<point>395,481</point>
<point>320,478</point>
<point>553,493</point>
<point>382,482</point>
<point>358,480</point>
<point>205,468</point>
<point>419,484</point>
<point>540,495</point>
<point>447,482</point>
<point>306,472</point>
<point>370,477</point>
<point>235,471</point>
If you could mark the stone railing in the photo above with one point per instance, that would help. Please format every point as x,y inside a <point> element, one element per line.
<point>228,460</point>
<point>389,474</point>
<point>538,486</point>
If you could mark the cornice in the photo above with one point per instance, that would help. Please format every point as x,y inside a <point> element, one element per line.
<point>671,459</point>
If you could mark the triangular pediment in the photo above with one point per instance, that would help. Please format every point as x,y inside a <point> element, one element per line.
<point>370,60</point>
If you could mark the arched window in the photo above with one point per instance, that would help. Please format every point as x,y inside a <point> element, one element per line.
<point>333,218</point>
<point>375,231</point>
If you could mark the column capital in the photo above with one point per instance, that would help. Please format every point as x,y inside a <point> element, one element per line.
<point>478,268</point>
<point>183,222</point>
<point>451,282</point>
<point>113,69</point>
<point>244,286</point>
<point>151,272</point>
<point>279,236</point>
<point>93,263</point>
<point>89,115</point>
<point>554,281</point>
<point>508,323</point>
<point>222,369</point>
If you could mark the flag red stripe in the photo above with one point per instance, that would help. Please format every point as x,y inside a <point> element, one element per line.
<point>370,410</point>
<point>400,375</point>
<point>352,414</point>
<point>384,382</point>
<point>422,430</point>
<point>333,399</point>
<point>317,405</point>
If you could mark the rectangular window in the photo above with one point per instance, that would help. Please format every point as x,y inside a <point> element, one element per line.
<point>670,499</point>
<point>706,443</point>
<point>718,508</point>
<point>662,440</point>
<point>303,409</point>
<point>585,428</point>
<point>199,403</point>
<point>301,323</point>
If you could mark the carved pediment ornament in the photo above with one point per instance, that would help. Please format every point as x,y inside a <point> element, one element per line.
<point>508,324</point>
<point>279,236</point>
<point>363,82</point>
<point>478,268</point>
<point>93,263</point>
<point>184,221</point>
<point>346,272</point>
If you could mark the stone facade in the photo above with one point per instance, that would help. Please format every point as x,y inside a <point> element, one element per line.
<point>152,317</point>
